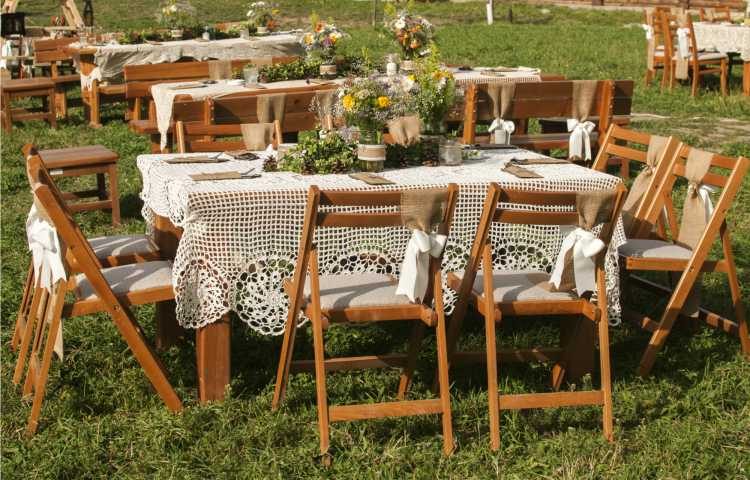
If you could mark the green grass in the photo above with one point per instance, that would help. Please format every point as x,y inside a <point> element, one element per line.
<point>690,419</point>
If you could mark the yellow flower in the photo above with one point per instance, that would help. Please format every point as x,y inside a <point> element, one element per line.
<point>308,38</point>
<point>348,102</point>
<point>412,78</point>
<point>384,102</point>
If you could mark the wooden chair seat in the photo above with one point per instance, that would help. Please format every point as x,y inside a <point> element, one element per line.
<point>144,126</point>
<point>27,84</point>
<point>358,290</point>
<point>707,57</point>
<point>131,279</point>
<point>78,156</point>
<point>114,89</point>
<point>511,286</point>
<point>120,249</point>
<point>648,248</point>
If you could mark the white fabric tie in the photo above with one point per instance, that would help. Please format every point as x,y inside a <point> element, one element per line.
<point>705,191</point>
<point>580,138</point>
<point>7,51</point>
<point>503,130</point>
<point>45,250</point>
<point>585,246</point>
<point>649,31</point>
<point>415,271</point>
<point>88,80</point>
<point>682,41</point>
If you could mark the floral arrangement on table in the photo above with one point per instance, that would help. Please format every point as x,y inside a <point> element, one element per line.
<point>431,92</point>
<point>412,33</point>
<point>263,16</point>
<point>369,103</point>
<point>322,41</point>
<point>177,15</point>
<point>309,67</point>
<point>314,155</point>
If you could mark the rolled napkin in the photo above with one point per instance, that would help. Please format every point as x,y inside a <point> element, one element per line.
<point>583,96</point>
<point>271,107</point>
<point>580,246</point>
<point>640,185</point>
<point>420,211</point>
<point>405,130</point>
<point>220,69</point>
<point>501,96</point>
<point>257,136</point>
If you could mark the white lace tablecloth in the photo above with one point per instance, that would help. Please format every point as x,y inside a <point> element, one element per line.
<point>725,38</point>
<point>240,237</point>
<point>481,76</point>
<point>165,93</point>
<point>111,59</point>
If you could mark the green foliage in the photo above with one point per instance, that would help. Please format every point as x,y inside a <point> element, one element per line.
<point>332,154</point>
<point>310,68</point>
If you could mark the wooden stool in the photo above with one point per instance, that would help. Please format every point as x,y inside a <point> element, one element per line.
<point>88,160</point>
<point>27,88</point>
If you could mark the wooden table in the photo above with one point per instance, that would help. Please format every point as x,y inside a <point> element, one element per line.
<point>727,38</point>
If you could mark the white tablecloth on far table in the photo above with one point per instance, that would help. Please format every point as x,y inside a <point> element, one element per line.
<point>725,38</point>
<point>240,237</point>
<point>481,76</point>
<point>165,93</point>
<point>111,59</point>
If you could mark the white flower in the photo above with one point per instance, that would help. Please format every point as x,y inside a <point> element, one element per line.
<point>407,83</point>
<point>173,8</point>
<point>249,13</point>
<point>400,23</point>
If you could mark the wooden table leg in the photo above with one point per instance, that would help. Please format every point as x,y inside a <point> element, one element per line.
<point>213,348</point>
<point>746,78</point>
<point>168,331</point>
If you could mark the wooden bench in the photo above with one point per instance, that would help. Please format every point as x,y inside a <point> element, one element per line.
<point>140,78</point>
<point>12,89</point>
<point>542,100</point>
<point>49,55</point>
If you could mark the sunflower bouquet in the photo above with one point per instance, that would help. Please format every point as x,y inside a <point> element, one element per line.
<point>412,33</point>
<point>322,41</point>
<point>263,15</point>
<point>369,103</point>
<point>431,93</point>
<point>177,14</point>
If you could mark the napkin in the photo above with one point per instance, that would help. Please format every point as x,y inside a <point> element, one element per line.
<point>371,178</point>
<point>520,172</point>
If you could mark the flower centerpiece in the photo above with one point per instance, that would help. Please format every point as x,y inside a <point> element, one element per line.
<point>177,15</point>
<point>322,43</point>
<point>413,34</point>
<point>431,93</point>
<point>368,104</point>
<point>314,155</point>
<point>262,17</point>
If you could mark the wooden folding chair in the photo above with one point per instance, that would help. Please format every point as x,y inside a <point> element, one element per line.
<point>96,289</point>
<point>191,137</point>
<point>620,148</point>
<point>497,293</point>
<point>715,14</point>
<point>687,255</point>
<point>363,298</point>
<point>111,251</point>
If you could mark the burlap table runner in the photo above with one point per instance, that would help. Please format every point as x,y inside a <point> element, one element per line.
<point>324,101</point>
<point>257,136</point>
<point>219,69</point>
<point>405,130</point>
<point>271,107</point>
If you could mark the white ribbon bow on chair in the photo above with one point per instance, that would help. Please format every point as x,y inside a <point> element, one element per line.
<point>585,246</point>
<point>704,191</point>
<point>579,144</point>
<point>415,271</point>
<point>649,31</point>
<point>503,130</point>
<point>45,250</point>
<point>682,42</point>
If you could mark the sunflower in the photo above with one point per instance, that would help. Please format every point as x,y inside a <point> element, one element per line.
<point>348,102</point>
<point>383,102</point>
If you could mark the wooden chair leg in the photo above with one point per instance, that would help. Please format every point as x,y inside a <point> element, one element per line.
<point>695,81</point>
<point>604,361</point>
<point>285,361</point>
<point>656,342</point>
<point>94,101</point>
<point>36,314</point>
<point>415,343</point>
<point>23,308</point>
<point>724,77</point>
<point>40,378</point>
<point>8,113</point>
<point>61,101</point>
<point>320,369</point>
<point>734,288</point>
<point>52,109</point>
<point>114,194</point>
<point>442,354</point>
<point>492,383</point>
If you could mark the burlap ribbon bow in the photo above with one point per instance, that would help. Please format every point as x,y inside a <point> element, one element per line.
<point>583,96</point>
<point>47,257</point>
<point>405,130</point>
<point>420,211</point>
<point>324,102</point>
<point>257,136</point>
<point>220,69</point>
<point>501,96</point>
<point>641,183</point>
<point>575,265</point>
<point>682,60</point>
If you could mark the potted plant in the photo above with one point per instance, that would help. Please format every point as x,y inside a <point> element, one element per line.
<point>322,43</point>
<point>413,34</point>
<point>368,104</point>
<point>262,16</point>
<point>176,15</point>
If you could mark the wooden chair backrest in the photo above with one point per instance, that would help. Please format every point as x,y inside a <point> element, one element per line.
<point>188,137</point>
<point>140,78</point>
<point>726,173</point>
<point>518,212</point>
<point>721,14</point>
<point>620,146</point>
<point>362,217</point>
<point>50,50</point>
<point>669,24</point>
